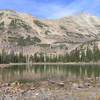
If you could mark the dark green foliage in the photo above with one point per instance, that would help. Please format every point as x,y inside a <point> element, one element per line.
<point>89,55</point>
<point>17,23</point>
<point>40,24</point>
<point>90,42</point>
<point>47,32</point>
<point>36,58</point>
<point>79,35</point>
<point>35,39</point>
<point>13,23</point>
<point>83,56</point>
<point>67,57</point>
<point>76,55</point>
<point>97,25</point>
<point>2,25</point>
<point>12,58</point>
<point>24,42</point>
<point>63,28</point>
<point>44,45</point>
<point>1,14</point>
<point>96,53</point>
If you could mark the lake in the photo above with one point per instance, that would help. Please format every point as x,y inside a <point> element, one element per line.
<point>48,72</point>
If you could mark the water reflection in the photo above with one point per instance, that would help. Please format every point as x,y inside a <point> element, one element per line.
<point>45,72</point>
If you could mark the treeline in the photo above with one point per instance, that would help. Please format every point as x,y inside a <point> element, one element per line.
<point>87,55</point>
<point>76,55</point>
<point>12,58</point>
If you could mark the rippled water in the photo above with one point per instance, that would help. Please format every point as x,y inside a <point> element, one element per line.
<point>48,72</point>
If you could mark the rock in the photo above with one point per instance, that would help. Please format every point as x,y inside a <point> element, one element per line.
<point>33,88</point>
<point>87,84</point>
<point>13,92</point>
<point>60,84</point>
<point>80,85</point>
<point>5,84</point>
<point>14,83</point>
<point>57,83</point>
<point>75,85</point>
<point>37,94</point>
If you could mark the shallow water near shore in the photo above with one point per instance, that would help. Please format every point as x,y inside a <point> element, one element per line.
<point>31,73</point>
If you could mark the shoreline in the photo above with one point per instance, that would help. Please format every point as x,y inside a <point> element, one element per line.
<point>49,63</point>
<point>69,90</point>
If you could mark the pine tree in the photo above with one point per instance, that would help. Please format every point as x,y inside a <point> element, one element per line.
<point>82,59</point>
<point>89,55</point>
<point>96,53</point>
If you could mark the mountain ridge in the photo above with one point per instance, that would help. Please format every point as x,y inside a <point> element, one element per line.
<point>21,32</point>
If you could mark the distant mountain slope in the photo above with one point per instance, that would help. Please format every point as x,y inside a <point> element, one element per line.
<point>20,32</point>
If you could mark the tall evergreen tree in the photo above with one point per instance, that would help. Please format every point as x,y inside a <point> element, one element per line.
<point>89,55</point>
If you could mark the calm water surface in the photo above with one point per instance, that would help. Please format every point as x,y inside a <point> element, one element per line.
<point>48,72</point>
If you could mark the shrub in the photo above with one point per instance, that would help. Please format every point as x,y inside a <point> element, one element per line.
<point>40,24</point>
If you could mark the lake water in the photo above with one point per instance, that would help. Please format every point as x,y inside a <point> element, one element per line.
<point>48,72</point>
